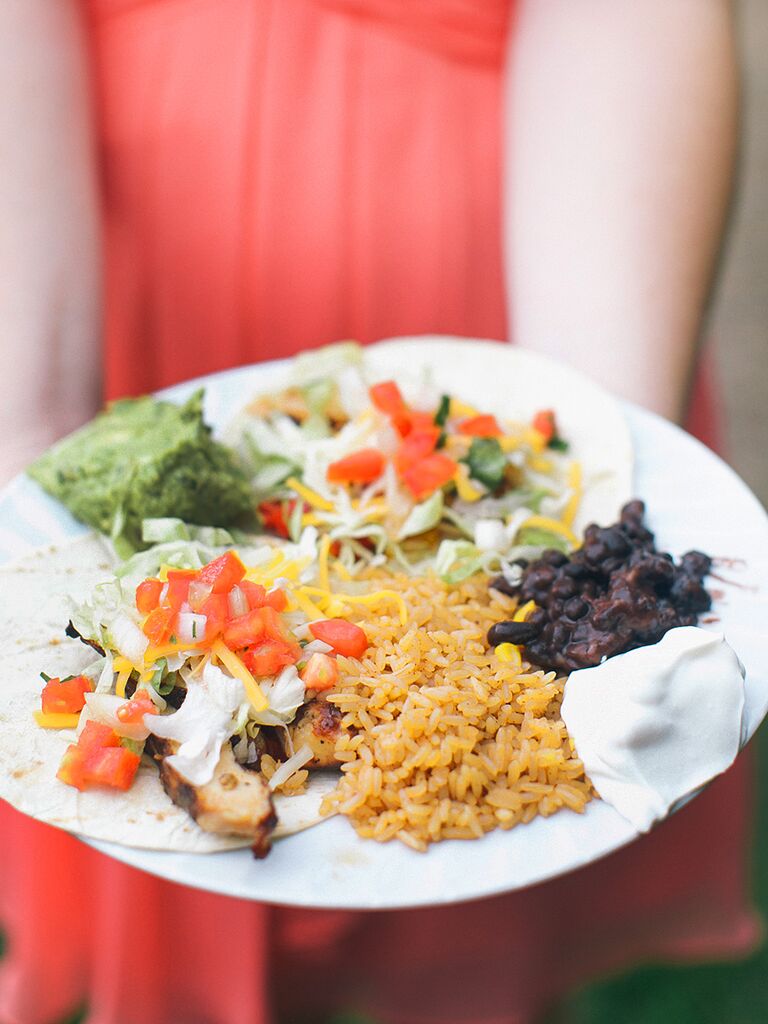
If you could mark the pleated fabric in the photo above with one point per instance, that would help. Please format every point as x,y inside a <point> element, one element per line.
<point>278,174</point>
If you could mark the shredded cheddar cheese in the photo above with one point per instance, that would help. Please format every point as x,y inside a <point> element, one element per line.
<point>553,525</point>
<point>575,484</point>
<point>56,720</point>
<point>236,668</point>
<point>524,611</point>
<point>311,497</point>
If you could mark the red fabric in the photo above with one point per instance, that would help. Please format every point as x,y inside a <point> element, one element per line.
<point>279,174</point>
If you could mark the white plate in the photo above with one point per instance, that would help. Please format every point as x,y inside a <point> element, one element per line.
<point>694,501</point>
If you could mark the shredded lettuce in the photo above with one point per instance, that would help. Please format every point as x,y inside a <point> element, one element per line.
<point>534,536</point>
<point>326,362</point>
<point>457,560</point>
<point>424,516</point>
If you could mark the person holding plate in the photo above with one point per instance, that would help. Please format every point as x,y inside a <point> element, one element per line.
<point>260,176</point>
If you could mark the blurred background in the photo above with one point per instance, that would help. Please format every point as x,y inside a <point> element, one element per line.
<point>739,325</point>
<point>738,332</point>
<point>734,993</point>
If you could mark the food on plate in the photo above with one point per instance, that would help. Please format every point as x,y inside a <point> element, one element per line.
<point>145,458</point>
<point>351,658</point>
<point>443,738</point>
<point>614,593</point>
<point>407,470</point>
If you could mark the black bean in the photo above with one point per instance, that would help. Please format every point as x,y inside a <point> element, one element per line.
<point>616,593</point>
<point>510,632</point>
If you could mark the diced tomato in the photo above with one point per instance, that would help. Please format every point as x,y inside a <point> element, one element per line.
<point>96,735</point>
<point>216,611</point>
<point>133,711</point>
<point>415,447</point>
<point>362,467</point>
<point>276,599</point>
<point>223,572</point>
<point>544,422</point>
<point>273,517</point>
<point>320,673</point>
<point>267,658</point>
<point>387,398</point>
<point>158,625</point>
<point>72,767</point>
<point>428,474</point>
<point>65,698</point>
<point>255,594</point>
<point>344,637</point>
<point>422,421</point>
<point>274,627</point>
<point>480,426</point>
<point>178,587</point>
<point>199,593</point>
<point>148,595</point>
<point>111,766</point>
<point>98,759</point>
<point>245,630</point>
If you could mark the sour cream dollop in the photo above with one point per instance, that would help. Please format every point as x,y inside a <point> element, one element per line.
<point>653,725</point>
<point>201,725</point>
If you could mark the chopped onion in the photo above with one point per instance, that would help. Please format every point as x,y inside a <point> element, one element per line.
<point>288,768</point>
<point>490,535</point>
<point>102,707</point>
<point>163,594</point>
<point>318,647</point>
<point>191,627</point>
<point>129,639</point>
<point>199,593</point>
<point>238,603</point>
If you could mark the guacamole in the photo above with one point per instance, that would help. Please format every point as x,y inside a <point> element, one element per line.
<point>145,458</point>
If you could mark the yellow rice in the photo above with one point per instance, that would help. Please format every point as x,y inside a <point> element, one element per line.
<point>443,740</point>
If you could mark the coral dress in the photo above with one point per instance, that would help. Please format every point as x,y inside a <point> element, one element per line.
<point>280,174</point>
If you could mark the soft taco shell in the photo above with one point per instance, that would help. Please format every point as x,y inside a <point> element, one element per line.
<point>35,595</point>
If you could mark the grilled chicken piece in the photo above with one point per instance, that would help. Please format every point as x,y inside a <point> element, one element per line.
<point>235,802</point>
<point>318,724</point>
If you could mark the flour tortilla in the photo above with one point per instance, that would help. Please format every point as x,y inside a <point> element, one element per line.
<point>498,378</point>
<point>35,597</point>
<point>513,383</point>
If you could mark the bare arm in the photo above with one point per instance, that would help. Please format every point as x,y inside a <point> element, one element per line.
<point>49,251</point>
<point>621,127</point>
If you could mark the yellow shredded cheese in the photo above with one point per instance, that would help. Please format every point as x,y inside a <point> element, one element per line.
<point>56,719</point>
<point>122,678</point>
<point>534,439</point>
<point>553,525</point>
<point>510,655</point>
<point>509,443</point>
<point>236,668</point>
<point>378,597</point>
<point>540,464</point>
<point>466,489</point>
<point>120,664</point>
<point>311,519</point>
<point>311,497</point>
<point>462,409</point>
<point>575,484</point>
<point>310,609</point>
<point>524,611</point>
<point>341,571</point>
<point>322,561</point>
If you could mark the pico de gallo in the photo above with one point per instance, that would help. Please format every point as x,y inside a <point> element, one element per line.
<point>203,654</point>
<point>413,476</point>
